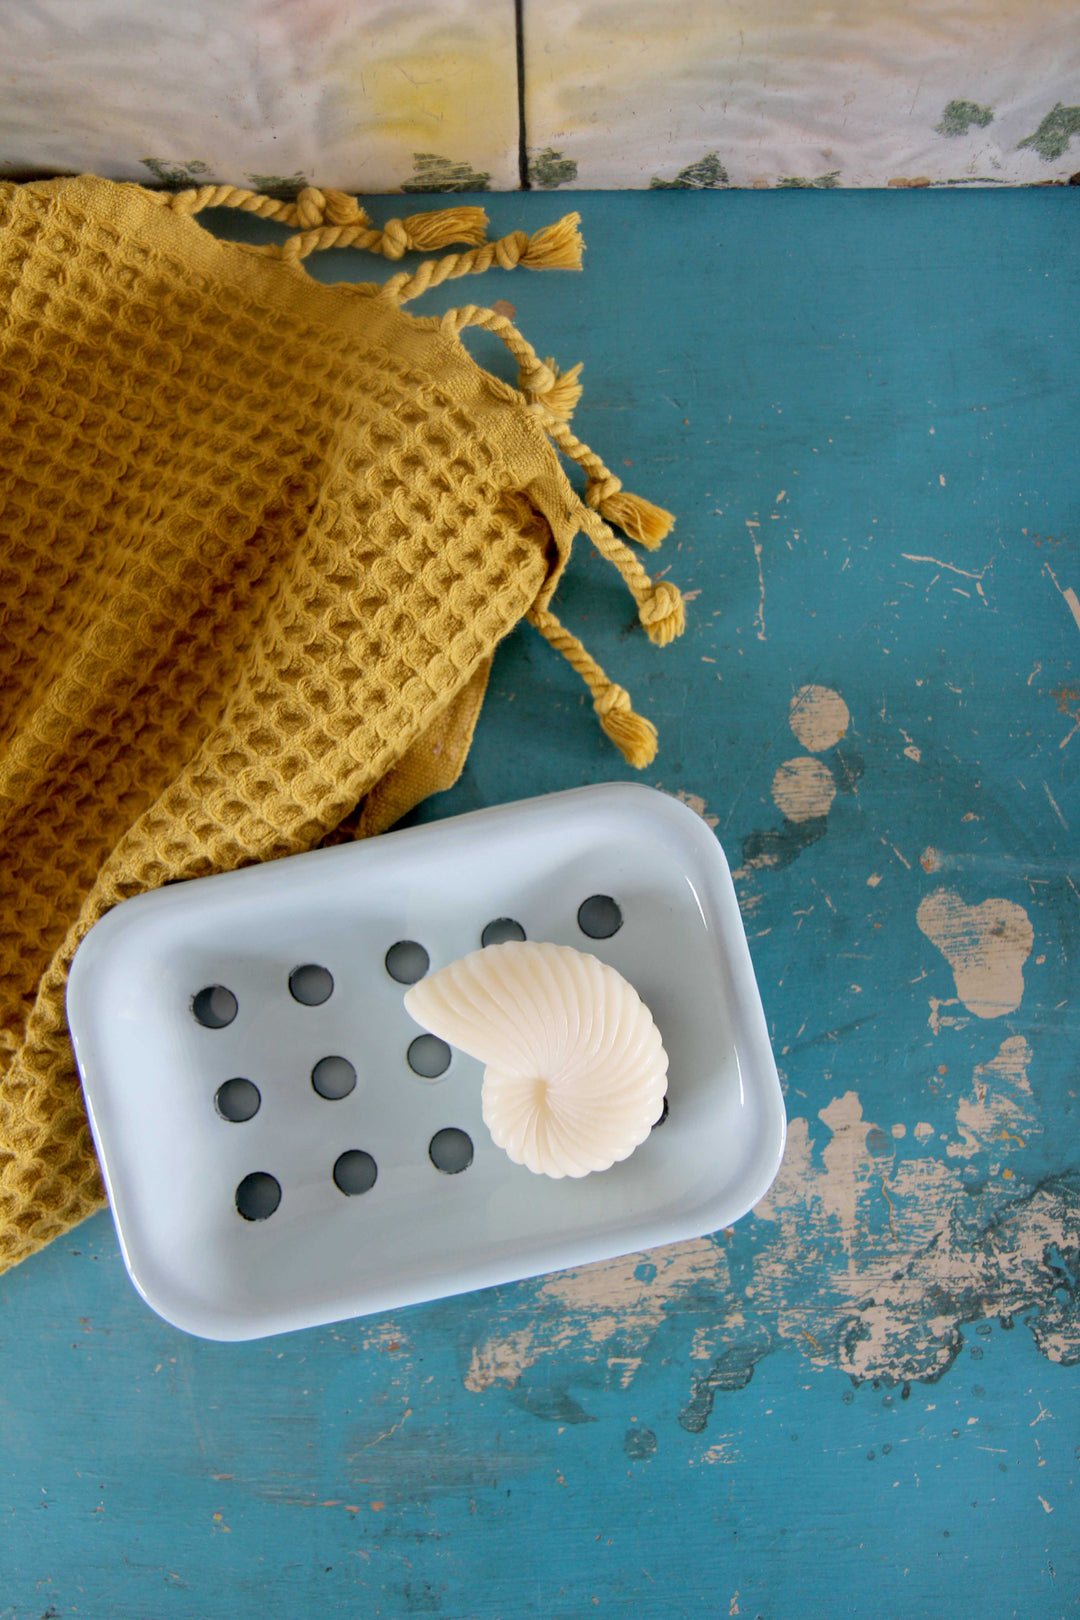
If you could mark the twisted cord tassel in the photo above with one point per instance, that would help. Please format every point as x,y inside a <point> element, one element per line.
<point>539,380</point>
<point>556,247</point>
<point>329,219</point>
<point>633,736</point>
<point>419,233</point>
<point>312,207</point>
<point>660,605</point>
<point>661,608</point>
<point>640,519</point>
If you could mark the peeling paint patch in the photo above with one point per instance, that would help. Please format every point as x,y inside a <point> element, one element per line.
<point>774,848</point>
<point>733,1370</point>
<point>903,1253</point>
<point>697,805</point>
<point>999,1114</point>
<point>819,717</point>
<point>986,946</point>
<point>893,1256</point>
<point>803,789</point>
<point>603,1313</point>
<point>500,1361</point>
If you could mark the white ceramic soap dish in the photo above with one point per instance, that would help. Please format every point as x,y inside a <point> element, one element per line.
<point>282,1147</point>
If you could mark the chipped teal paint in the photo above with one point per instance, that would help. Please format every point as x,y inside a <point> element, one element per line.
<point>689,1433</point>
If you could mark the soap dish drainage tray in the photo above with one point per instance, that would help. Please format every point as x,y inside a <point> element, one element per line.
<point>283,1147</point>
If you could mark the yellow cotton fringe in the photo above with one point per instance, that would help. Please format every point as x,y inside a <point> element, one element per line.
<point>333,219</point>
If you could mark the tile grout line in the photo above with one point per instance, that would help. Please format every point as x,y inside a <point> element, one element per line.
<point>519,40</point>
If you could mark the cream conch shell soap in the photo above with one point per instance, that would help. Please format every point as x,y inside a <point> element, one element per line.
<point>575,1071</point>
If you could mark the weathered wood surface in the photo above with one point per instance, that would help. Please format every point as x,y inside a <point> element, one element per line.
<point>864,1399</point>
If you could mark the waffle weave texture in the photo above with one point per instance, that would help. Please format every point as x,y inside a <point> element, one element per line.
<point>259,538</point>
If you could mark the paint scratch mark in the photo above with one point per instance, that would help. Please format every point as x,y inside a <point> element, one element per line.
<point>1067,696</point>
<point>1068,593</point>
<point>1056,808</point>
<point>1046,1506</point>
<point>393,1429</point>
<point>759,617</point>
<point>937,562</point>
<point>892,1210</point>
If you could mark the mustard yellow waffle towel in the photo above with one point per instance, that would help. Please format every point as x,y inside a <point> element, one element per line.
<point>259,538</point>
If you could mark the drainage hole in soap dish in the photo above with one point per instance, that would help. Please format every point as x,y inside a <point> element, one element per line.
<point>428,1057</point>
<point>237,1100</point>
<point>663,1116</point>
<point>333,1078</point>
<point>407,961</point>
<point>311,985</point>
<point>258,1195</point>
<point>599,916</point>
<point>355,1172</point>
<point>214,1007</point>
<point>450,1151</point>
<point>502,931</point>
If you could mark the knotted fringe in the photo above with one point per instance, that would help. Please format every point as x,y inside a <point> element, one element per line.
<point>556,247</point>
<point>557,391</point>
<point>539,380</point>
<point>329,219</point>
<point>639,518</point>
<point>333,219</point>
<point>552,395</point>
<point>633,736</point>
<point>419,233</point>
<point>661,608</point>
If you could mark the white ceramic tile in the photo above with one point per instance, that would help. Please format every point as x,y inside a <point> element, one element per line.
<point>625,93</point>
<point>344,93</point>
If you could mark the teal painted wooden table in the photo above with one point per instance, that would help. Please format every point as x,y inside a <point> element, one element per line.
<point>864,1398</point>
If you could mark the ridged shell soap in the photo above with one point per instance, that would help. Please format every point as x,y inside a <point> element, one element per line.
<point>575,1070</point>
